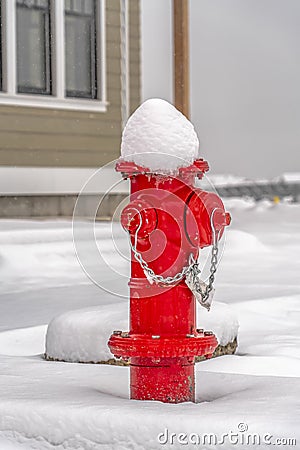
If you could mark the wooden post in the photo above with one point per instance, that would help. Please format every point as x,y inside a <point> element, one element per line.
<point>181,56</point>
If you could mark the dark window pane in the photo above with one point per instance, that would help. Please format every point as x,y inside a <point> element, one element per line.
<point>33,3</point>
<point>33,47</point>
<point>79,6</point>
<point>42,3</point>
<point>88,7</point>
<point>80,37</point>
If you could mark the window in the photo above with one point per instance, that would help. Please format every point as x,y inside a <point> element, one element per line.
<point>33,47</point>
<point>53,53</point>
<point>80,48</point>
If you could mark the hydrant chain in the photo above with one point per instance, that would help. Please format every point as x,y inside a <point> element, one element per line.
<point>193,267</point>
<point>157,278</point>
<point>213,269</point>
<point>214,258</point>
<point>202,291</point>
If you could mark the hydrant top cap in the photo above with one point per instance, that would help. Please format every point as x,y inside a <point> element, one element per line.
<point>159,137</point>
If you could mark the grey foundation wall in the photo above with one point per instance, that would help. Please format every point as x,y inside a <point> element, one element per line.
<point>56,206</point>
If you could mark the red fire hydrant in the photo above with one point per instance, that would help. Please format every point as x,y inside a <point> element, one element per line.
<point>168,220</point>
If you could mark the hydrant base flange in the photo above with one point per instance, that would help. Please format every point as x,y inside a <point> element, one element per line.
<point>132,345</point>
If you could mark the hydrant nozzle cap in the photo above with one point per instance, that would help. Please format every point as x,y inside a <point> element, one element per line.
<point>227,218</point>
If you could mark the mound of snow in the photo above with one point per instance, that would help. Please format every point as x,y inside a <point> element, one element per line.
<point>237,240</point>
<point>239,203</point>
<point>82,335</point>
<point>221,319</point>
<point>157,136</point>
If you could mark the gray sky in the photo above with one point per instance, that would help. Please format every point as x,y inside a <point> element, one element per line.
<point>245,75</point>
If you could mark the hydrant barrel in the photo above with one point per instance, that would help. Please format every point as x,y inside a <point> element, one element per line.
<point>172,380</point>
<point>168,221</point>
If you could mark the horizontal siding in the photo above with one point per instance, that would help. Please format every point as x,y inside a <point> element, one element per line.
<point>134,81</point>
<point>113,34</point>
<point>134,6</point>
<point>54,137</point>
<point>31,142</point>
<point>114,96</point>
<point>114,5</point>
<point>134,33</point>
<point>134,58</point>
<point>17,123</point>
<point>113,19</point>
<point>135,46</point>
<point>62,158</point>
<point>113,49</point>
<point>110,115</point>
<point>134,52</point>
<point>114,67</point>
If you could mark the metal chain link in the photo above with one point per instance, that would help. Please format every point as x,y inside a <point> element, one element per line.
<point>213,261</point>
<point>193,265</point>
<point>150,272</point>
<point>158,278</point>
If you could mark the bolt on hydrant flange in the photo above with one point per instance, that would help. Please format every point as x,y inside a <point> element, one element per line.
<point>168,220</point>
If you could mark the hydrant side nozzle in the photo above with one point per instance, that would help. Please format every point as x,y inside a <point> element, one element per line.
<point>139,216</point>
<point>208,211</point>
<point>221,219</point>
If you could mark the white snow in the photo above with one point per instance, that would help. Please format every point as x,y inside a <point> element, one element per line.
<point>23,341</point>
<point>79,406</point>
<point>223,180</point>
<point>6,444</point>
<point>159,137</point>
<point>82,335</point>
<point>290,177</point>
<point>63,406</point>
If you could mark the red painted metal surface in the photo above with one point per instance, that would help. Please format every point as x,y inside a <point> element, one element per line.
<point>172,220</point>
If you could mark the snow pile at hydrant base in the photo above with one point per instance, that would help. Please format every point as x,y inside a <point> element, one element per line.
<point>159,137</point>
<point>82,335</point>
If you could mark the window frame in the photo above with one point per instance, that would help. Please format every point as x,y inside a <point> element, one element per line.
<point>58,98</point>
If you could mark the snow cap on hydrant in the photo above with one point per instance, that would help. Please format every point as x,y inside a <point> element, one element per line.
<point>159,137</point>
<point>168,220</point>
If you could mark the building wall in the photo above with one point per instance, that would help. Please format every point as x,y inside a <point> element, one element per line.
<point>39,137</point>
<point>134,55</point>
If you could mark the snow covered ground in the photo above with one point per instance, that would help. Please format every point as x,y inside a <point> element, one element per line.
<point>253,395</point>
